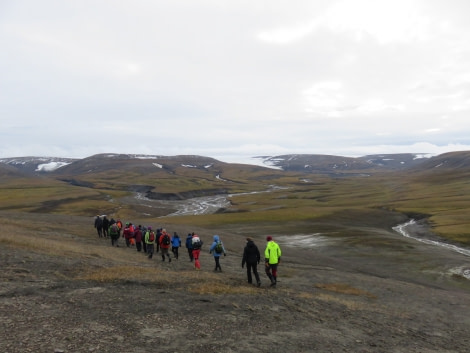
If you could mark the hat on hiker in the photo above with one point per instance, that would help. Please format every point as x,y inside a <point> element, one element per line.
<point>249,239</point>
<point>269,238</point>
<point>149,228</point>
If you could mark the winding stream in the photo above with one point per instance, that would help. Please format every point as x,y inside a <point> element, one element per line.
<point>402,230</point>
<point>463,271</point>
<point>199,205</point>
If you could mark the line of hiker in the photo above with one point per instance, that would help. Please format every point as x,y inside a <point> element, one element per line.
<point>149,241</point>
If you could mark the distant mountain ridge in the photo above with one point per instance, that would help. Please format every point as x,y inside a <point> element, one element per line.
<point>306,163</point>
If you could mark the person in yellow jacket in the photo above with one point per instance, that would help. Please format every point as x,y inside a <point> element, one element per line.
<point>272,256</point>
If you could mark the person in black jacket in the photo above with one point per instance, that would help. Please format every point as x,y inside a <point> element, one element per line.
<point>105,226</point>
<point>251,257</point>
<point>99,225</point>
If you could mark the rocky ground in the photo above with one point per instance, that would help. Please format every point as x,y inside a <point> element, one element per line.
<point>391,294</point>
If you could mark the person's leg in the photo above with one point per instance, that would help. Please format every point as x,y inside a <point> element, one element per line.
<point>255,271</point>
<point>197,264</point>
<point>190,253</point>
<point>217,263</point>
<point>274,274</point>
<point>248,273</point>
<point>268,273</point>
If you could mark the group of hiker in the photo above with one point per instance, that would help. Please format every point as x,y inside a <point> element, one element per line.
<point>147,240</point>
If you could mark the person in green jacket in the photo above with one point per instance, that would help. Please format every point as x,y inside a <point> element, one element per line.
<point>150,241</point>
<point>272,256</point>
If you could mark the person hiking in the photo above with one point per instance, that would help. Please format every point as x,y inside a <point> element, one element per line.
<point>197,245</point>
<point>106,225</point>
<point>114,234</point>
<point>189,246</point>
<point>150,241</point>
<point>217,249</point>
<point>165,243</point>
<point>272,258</point>
<point>144,244</point>
<point>128,233</point>
<point>132,228</point>
<point>99,225</point>
<point>251,258</point>
<point>119,224</point>
<point>157,243</point>
<point>175,244</point>
<point>138,238</point>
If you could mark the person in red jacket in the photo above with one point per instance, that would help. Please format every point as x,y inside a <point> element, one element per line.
<point>138,238</point>
<point>165,244</point>
<point>128,233</point>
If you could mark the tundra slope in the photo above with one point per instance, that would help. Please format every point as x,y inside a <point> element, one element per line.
<point>378,292</point>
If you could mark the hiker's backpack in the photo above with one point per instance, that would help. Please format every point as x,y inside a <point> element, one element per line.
<point>219,249</point>
<point>196,243</point>
<point>151,237</point>
<point>166,239</point>
<point>114,230</point>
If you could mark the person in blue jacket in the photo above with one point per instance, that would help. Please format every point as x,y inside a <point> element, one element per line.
<point>217,249</point>
<point>189,246</point>
<point>175,244</point>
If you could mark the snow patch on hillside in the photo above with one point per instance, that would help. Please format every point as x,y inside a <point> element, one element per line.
<point>51,166</point>
<point>424,155</point>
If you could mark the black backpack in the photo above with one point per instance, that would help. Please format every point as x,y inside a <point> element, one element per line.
<point>166,240</point>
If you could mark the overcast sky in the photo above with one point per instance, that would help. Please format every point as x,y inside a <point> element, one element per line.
<point>233,78</point>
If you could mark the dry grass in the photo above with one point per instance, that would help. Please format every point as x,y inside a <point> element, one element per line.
<point>343,288</point>
<point>193,281</point>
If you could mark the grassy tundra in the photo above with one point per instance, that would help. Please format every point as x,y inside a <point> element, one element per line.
<point>301,203</point>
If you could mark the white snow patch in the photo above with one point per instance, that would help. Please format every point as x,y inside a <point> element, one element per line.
<point>51,166</point>
<point>423,155</point>
<point>157,165</point>
<point>145,157</point>
<point>188,166</point>
<point>219,178</point>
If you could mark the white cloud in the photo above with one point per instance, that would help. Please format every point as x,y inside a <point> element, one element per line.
<point>185,77</point>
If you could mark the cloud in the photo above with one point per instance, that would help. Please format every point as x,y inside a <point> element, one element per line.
<point>227,78</point>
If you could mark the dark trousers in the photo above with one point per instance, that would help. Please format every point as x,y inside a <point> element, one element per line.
<point>217,263</point>
<point>190,253</point>
<point>174,250</point>
<point>150,248</point>
<point>271,272</point>
<point>165,252</point>
<point>114,239</point>
<point>252,267</point>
